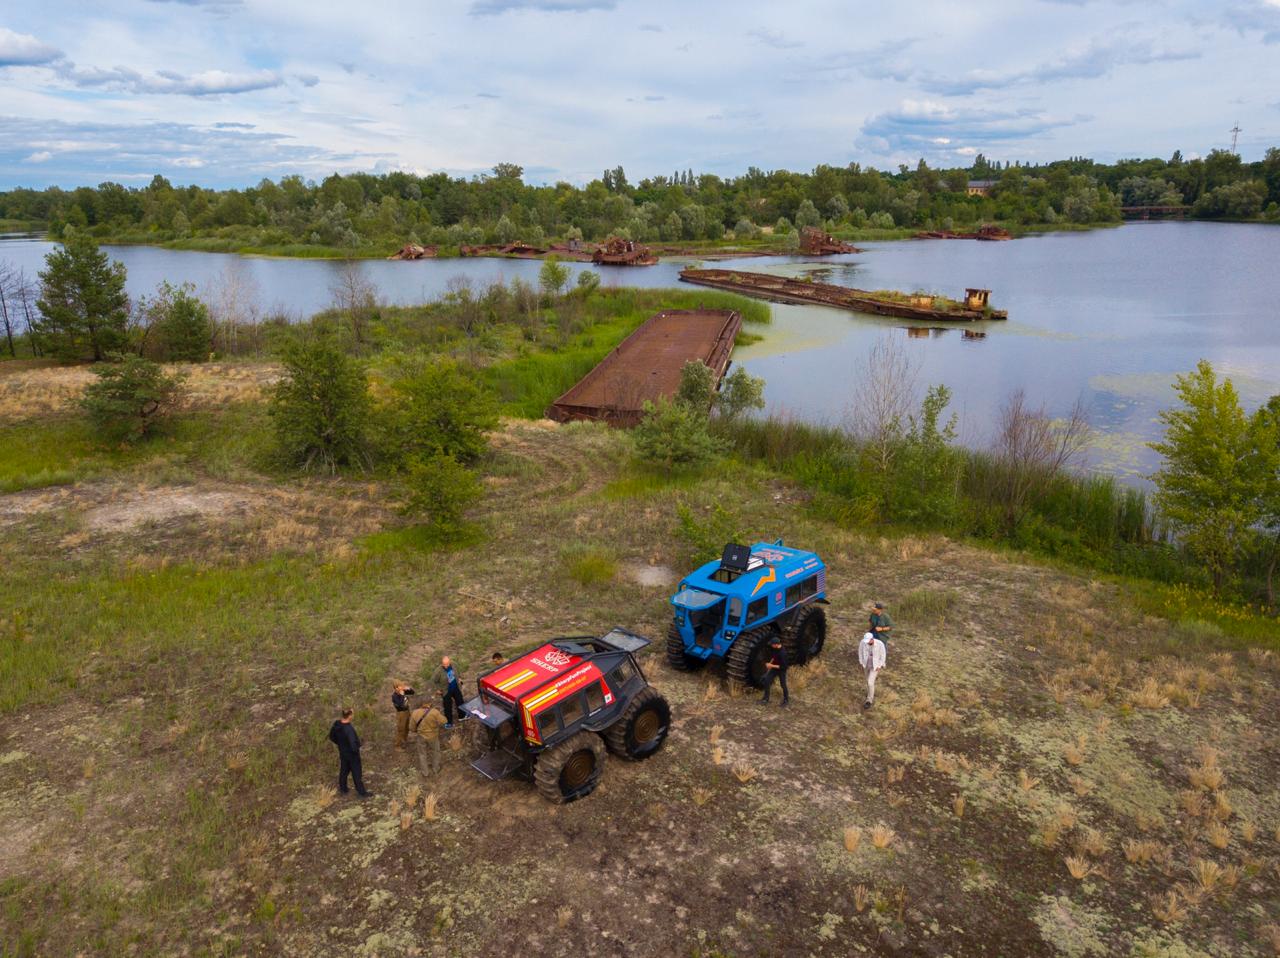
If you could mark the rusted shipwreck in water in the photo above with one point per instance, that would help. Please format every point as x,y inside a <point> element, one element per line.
<point>646,366</point>
<point>986,232</point>
<point>975,305</point>
<point>814,242</point>
<point>616,251</point>
<point>414,251</point>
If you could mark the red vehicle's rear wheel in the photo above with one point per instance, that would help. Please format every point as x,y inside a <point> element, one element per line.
<point>642,728</point>
<point>571,770</point>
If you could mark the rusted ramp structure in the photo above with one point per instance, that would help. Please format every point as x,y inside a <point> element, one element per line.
<point>645,367</point>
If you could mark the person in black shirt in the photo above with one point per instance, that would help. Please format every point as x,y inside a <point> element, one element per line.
<point>776,668</point>
<point>400,702</point>
<point>343,734</point>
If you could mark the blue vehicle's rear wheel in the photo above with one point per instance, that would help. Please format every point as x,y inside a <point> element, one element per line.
<point>805,634</point>
<point>748,656</point>
<point>677,657</point>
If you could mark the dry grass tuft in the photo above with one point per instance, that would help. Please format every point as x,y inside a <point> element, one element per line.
<point>1065,817</point>
<point>1222,809</point>
<point>1073,754</point>
<point>411,797</point>
<point>1271,933</point>
<point>1140,851</point>
<point>1168,908</point>
<point>717,756</point>
<point>714,735</point>
<point>944,763</point>
<point>1207,775</point>
<point>882,836</point>
<point>744,773</point>
<point>1230,876</point>
<point>712,693</point>
<point>701,796</point>
<point>1094,699</point>
<point>1149,696</point>
<point>852,838</point>
<point>1217,835</point>
<point>894,774</point>
<point>429,807</point>
<point>1079,868</point>
<point>1206,873</point>
<point>862,898</point>
<point>1193,803</point>
<point>1248,832</point>
<point>1091,842</point>
<point>406,819</point>
<point>1025,781</point>
<point>1081,786</point>
<point>957,806</point>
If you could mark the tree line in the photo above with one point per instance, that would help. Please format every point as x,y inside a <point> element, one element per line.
<point>373,213</point>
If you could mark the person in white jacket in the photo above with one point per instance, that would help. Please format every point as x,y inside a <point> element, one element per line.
<point>871,654</point>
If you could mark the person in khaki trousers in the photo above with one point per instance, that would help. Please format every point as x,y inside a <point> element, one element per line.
<point>400,693</point>
<point>427,721</point>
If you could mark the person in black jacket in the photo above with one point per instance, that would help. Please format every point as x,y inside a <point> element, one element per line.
<point>343,734</point>
<point>776,668</point>
<point>400,693</point>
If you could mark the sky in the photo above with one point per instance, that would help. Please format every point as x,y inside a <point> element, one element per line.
<point>225,92</point>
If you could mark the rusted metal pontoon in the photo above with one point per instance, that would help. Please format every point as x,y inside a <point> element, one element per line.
<point>785,290</point>
<point>620,252</point>
<point>646,366</point>
<point>814,242</point>
<point>516,249</point>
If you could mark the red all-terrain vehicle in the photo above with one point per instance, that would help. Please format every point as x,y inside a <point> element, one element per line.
<point>551,714</point>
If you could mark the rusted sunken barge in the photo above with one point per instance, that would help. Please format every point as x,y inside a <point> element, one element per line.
<point>782,289</point>
<point>646,366</point>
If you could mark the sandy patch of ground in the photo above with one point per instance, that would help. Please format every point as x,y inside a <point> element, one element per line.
<point>27,392</point>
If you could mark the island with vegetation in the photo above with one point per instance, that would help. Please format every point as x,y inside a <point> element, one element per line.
<point>368,215</point>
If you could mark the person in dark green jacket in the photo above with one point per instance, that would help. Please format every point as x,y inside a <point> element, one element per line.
<point>881,624</point>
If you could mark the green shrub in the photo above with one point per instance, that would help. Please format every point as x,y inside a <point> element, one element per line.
<point>589,565</point>
<point>705,537</point>
<point>440,489</point>
<point>129,399</point>
<point>438,408</point>
<point>321,408</point>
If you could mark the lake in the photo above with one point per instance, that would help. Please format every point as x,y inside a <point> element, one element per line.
<point>1106,316</point>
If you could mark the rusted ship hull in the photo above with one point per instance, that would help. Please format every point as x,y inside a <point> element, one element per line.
<point>782,289</point>
<point>646,366</point>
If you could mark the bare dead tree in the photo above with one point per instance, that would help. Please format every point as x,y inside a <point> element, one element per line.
<point>8,280</point>
<point>884,397</point>
<point>1031,450</point>
<point>354,295</point>
<point>233,303</point>
<point>26,289</point>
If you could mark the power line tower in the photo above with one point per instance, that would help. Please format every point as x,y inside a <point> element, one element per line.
<point>1235,134</point>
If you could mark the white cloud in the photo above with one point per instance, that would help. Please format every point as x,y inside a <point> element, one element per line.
<point>22,49</point>
<point>39,157</point>
<point>205,83</point>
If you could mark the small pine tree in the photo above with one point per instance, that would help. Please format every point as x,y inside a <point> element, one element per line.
<point>739,392</point>
<point>129,399</point>
<point>675,435</point>
<point>83,301</point>
<point>321,408</point>
<point>439,409</point>
<point>185,327</point>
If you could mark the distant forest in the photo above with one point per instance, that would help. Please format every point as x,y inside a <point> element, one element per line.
<point>367,213</point>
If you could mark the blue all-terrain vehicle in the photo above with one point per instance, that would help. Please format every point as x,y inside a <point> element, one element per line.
<point>732,608</point>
